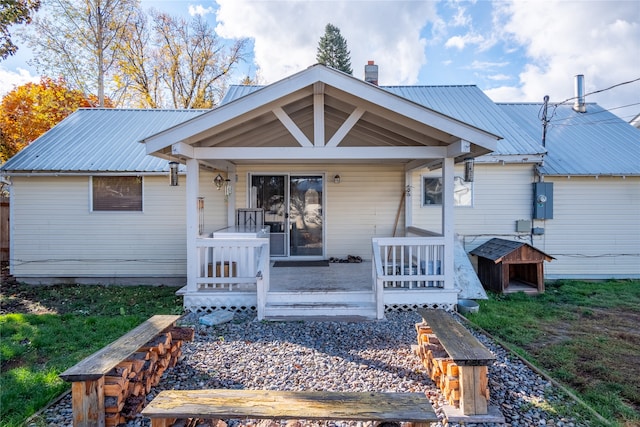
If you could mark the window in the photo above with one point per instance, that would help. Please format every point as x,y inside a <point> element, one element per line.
<point>117,193</point>
<point>432,191</point>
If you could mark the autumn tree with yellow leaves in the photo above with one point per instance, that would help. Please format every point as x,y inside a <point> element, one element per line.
<point>30,110</point>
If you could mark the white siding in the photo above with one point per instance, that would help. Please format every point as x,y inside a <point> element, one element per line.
<point>501,196</point>
<point>362,206</point>
<point>595,230</point>
<point>55,234</point>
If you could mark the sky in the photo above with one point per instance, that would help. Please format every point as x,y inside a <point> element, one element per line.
<point>515,51</point>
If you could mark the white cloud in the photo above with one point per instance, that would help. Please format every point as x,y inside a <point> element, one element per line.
<point>499,77</point>
<point>200,10</point>
<point>597,38</point>
<point>9,80</point>
<point>286,34</point>
<point>460,18</point>
<point>460,42</point>
<point>484,65</point>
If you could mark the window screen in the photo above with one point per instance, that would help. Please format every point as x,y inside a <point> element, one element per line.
<point>117,193</point>
<point>432,191</point>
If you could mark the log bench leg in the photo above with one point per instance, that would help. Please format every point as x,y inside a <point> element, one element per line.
<point>474,392</point>
<point>88,403</point>
<point>162,422</point>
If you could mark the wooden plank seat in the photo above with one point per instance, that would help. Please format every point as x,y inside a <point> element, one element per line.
<point>171,405</point>
<point>467,357</point>
<point>87,376</point>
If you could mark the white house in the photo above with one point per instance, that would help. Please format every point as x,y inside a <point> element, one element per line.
<point>334,167</point>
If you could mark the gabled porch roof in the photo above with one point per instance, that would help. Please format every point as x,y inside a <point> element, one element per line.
<point>321,114</point>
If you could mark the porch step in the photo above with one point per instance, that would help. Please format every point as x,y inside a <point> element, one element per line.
<point>320,311</point>
<point>326,296</point>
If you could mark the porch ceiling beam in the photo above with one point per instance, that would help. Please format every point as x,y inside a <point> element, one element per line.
<point>438,123</point>
<point>182,149</point>
<point>318,114</point>
<point>292,127</point>
<point>220,165</point>
<point>417,164</point>
<point>345,127</point>
<point>219,119</point>
<point>458,148</point>
<point>320,153</point>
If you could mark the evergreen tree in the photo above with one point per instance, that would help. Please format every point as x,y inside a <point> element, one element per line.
<point>332,50</point>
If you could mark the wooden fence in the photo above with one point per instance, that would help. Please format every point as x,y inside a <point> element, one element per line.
<point>4,237</point>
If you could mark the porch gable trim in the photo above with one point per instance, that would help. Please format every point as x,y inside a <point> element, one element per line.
<point>302,84</point>
<point>293,129</point>
<point>320,153</point>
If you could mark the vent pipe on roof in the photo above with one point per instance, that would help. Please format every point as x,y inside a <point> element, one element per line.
<point>580,106</point>
<point>371,73</point>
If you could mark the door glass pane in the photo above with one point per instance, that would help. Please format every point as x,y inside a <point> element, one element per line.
<point>268,193</point>
<point>305,215</point>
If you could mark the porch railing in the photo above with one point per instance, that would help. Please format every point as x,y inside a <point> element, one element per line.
<point>232,264</point>
<point>408,262</point>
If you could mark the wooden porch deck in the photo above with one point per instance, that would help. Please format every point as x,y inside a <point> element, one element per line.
<point>337,277</point>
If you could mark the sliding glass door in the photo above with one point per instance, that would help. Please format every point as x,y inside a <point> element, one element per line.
<point>305,215</point>
<point>293,210</point>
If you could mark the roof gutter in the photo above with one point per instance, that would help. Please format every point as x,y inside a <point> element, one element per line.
<point>83,173</point>
<point>510,159</point>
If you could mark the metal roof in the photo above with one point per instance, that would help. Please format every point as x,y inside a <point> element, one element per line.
<point>99,140</point>
<point>593,143</point>
<point>466,103</point>
<point>470,105</point>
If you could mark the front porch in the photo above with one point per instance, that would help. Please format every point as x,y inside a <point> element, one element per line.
<point>331,160</point>
<point>402,273</point>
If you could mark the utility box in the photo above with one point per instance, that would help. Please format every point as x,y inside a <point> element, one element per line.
<point>542,200</point>
<point>523,226</point>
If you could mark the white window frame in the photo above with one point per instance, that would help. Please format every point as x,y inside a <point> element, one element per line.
<point>458,181</point>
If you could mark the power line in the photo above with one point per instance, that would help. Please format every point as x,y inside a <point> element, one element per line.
<point>558,121</point>
<point>598,91</point>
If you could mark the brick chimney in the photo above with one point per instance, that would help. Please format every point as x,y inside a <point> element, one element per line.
<point>371,73</point>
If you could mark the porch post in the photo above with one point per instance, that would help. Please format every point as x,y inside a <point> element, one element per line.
<point>193,189</point>
<point>448,220</point>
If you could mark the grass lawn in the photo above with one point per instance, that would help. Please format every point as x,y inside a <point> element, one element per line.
<point>586,335</point>
<point>46,329</point>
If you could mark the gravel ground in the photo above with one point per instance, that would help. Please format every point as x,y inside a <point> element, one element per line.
<point>341,356</point>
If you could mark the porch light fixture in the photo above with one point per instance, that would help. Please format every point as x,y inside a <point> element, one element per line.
<point>336,179</point>
<point>218,181</point>
<point>468,169</point>
<point>228,189</point>
<point>173,174</point>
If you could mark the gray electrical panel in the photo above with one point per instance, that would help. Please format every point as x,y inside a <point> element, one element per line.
<point>523,226</point>
<point>542,200</point>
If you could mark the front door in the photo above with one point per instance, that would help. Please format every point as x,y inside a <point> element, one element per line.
<point>293,209</point>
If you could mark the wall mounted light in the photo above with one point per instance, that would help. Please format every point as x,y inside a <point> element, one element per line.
<point>336,179</point>
<point>228,189</point>
<point>218,181</point>
<point>468,169</point>
<point>173,174</point>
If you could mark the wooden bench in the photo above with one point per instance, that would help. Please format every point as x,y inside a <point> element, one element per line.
<point>470,359</point>
<point>87,377</point>
<point>171,405</point>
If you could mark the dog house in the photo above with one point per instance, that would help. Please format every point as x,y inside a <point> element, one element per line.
<point>506,266</point>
